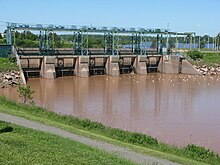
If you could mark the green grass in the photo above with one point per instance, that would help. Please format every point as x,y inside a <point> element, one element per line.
<point>27,146</point>
<point>209,59</point>
<point>6,64</point>
<point>188,155</point>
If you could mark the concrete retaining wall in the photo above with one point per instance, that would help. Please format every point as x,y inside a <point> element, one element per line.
<point>172,65</point>
<point>188,68</point>
<point>168,66</point>
<point>19,66</point>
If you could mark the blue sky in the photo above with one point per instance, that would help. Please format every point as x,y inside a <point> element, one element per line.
<point>201,16</point>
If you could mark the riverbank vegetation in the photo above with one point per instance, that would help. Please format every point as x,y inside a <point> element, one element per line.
<point>9,73</point>
<point>190,154</point>
<point>20,145</point>
<point>7,64</point>
<point>25,94</point>
<point>204,58</point>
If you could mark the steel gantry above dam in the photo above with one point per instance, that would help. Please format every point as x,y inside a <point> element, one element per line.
<point>111,37</point>
<point>80,60</point>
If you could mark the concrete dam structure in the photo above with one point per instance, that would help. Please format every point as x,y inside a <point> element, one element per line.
<point>58,65</point>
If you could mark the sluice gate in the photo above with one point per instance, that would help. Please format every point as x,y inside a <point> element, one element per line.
<point>63,64</point>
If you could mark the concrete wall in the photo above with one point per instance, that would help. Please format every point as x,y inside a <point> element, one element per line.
<point>19,65</point>
<point>30,63</point>
<point>168,65</point>
<point>172,65</point>
<point>188,68</point>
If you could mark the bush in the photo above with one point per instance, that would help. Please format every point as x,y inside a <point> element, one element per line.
<point>131,137</point>
<point>195,55</point>
<point>25,93</point>
<point>4,127</point>
<point>138,138</point>
<point>199,152</point>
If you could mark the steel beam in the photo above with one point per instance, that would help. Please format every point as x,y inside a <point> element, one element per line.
<point>80,42</point>
<point>9,36</point>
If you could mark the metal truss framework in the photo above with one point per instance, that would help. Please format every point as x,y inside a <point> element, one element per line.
<point>80,42</point>
<point>81,33</point>
<point>111,40</point>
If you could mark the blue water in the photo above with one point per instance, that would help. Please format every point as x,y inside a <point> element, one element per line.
<point>147,45</point>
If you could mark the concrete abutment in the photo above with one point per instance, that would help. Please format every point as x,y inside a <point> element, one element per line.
<point>176,64</point>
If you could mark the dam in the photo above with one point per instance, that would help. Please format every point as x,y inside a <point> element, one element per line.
<point>49,62</point>
<point>85,66</point>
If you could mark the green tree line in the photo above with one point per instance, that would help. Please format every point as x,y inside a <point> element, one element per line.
<point>29,39</point>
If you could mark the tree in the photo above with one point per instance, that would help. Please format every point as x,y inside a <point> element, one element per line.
<point>206,37</point>
<point>172,43</point>
<point>195,55</point>
<point>202,44</point>
<point>218,40</point>
<point>57,41</point>
<point>154,43</point>
<point>25,93</point>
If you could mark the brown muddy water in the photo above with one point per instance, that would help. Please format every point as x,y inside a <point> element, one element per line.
<point>176,109</point>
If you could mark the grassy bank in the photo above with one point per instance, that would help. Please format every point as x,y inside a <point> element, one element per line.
<point>7,64</point>
<point>190,154</point>
<point>205,58</point>
<point>25,146</point>
<point>211,58</point>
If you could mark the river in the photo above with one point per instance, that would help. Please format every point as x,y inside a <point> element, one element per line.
<point>176,109</point>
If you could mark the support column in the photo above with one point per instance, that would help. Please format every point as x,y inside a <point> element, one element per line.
<point>140,65</point>
<point>48,67</point>
<point>9,36</point>
<point>112,66</point>
<point>82,66</point>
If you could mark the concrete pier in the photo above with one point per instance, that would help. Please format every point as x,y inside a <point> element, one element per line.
<point>112,66</point>
<point>48,67</point>
<point>140,64</point>
<point>82,66</point>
